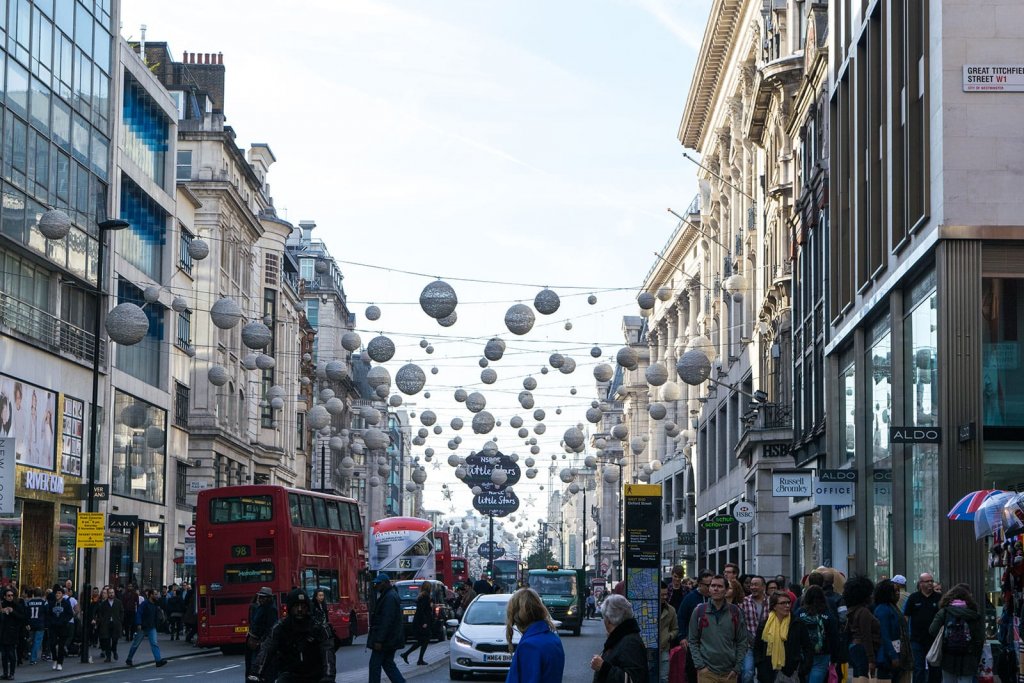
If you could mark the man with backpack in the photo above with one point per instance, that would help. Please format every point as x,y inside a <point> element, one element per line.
<point>718,640</point>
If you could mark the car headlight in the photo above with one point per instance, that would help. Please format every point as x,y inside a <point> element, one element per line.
<point>461,640</point>
<point>571,611</point>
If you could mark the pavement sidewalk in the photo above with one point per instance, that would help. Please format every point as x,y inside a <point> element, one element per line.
<point>73,666</point>
<point>357,659</point>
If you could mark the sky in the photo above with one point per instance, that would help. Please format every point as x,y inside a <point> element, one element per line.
<point>528,144</point>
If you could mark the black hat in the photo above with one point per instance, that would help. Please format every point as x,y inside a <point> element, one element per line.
<point>297,596</point>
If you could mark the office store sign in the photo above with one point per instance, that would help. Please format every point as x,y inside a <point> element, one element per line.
<point>792,484</point>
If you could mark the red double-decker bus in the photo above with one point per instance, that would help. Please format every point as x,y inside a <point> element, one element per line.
<point>460,569</point>
<point>443,558</point>
<point>248,537</point>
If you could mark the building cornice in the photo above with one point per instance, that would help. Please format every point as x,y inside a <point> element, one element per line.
<point>719,41</point>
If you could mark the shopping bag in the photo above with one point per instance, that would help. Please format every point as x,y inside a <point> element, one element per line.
<point>985,665</point>
<point>934,655</point>
<point>833,675</point>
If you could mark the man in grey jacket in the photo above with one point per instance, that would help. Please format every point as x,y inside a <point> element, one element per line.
<point>386,630</point>
<point>718,638</point>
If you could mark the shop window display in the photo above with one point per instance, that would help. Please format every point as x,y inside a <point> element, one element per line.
<point>140,438</point>
<point>879,377</point>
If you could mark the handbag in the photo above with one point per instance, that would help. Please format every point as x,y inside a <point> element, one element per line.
<point>833,675</point>
<point>934,656</point>
<point>782,677</point>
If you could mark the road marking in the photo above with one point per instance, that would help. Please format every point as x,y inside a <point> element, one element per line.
<point>226,668</point>
<point>185,676</point>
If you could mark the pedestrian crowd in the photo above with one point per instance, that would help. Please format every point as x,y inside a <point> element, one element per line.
<point>728,627</point>
<point>52,624</point>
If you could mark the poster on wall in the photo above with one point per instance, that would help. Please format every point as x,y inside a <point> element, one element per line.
<point>29,414</point>
<point>71,441</point>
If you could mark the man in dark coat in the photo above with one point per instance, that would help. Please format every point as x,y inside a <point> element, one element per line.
<point>109,623</point>
<point>302,649</point>
<point>386,634</point>
<point>262,617</point>
<point>13,623</point>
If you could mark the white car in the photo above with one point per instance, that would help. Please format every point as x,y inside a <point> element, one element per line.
<point>479,645</point>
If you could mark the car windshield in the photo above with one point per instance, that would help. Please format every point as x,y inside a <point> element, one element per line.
<point>553,584</point>
<point>486,612</point>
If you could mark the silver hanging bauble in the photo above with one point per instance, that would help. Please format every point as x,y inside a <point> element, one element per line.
<point>460,473</point>
<point>438,299</point>
<point>568,366</point>
<point>529,462</point>
<point>275,391</point>
<point>326,395</point>
<point>620,431</point>
<point>382,391</point>
<point>573,438</point>
<point>419,476</point>
<point>428,418</point>
<point>350,341</point>
<point>375,439</point>
<point>645,301</point>
<point>54,224</point>
<point>395,400</point>
<point>249,361</point>
<point>539,428</point>
<point>225,312</point>
<point>519,319</point>
<point>447,321</point>
<point>523,432</point>
<point>453,460</point>
<point>423,432</point>
<point>494,349</point>
<point>694,367</point>
<point>198,249</point>
<point>380,349</point>
<point>704,345</point>
<point>476,402</point>
<point>595,352</point>
<point>568,325</point>
<point>610,474</point>
<point>456,423</point>
<point>318,418</point>
<point>664,294</point>
<point>593,415</point>
<point>151,294</point>
<point>460,395</point>
<point>179,304</point>
<point>483,422</point>
<point>265,362</point>
<point>656,374</point>
<point>546,302</point>
<point>603,372</point>
<point>322,266</point>
<point>539,414</point>
<point>337,444</point>
<point>277,403</point>
<point>372,312</point>
<point>217,375</point>
<point>657,411</point>
<point>555,360</point>
<point>627,357</point>
<point>429,349</point>
<point>499,476</point>
<point>526,400</point>
<point>670,391</point>
<point>336,370</point>
<point>155,437</point>
<point>256,335</point>
<point>529,383</point>
<point>531,473</point>
<point>566,475</point>
<point>591,299</point>
<point>378,376</point>
<point>127,324</point>
<point>574,488</point>
<point>135,416</point>
<point>335,406</point>
<point>410,379</point>
<point>516,422</point>
<point>483,362</point>
<point>374,481</point>
<point>488,376</point>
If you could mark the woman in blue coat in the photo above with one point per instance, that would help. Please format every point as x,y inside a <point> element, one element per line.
<point>539,657</point>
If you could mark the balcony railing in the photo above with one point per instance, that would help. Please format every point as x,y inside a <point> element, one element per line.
<point>774,416</point>
<point>49,331</point>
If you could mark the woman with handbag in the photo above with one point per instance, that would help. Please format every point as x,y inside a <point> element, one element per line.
<point>863,631</point>
<point>959,631</point>
<point>782,649</point>
<point>421,623</point>
<point>893,656</point>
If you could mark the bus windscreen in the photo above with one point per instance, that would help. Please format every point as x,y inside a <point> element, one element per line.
<point>234,509</point>
<point>553,585</point>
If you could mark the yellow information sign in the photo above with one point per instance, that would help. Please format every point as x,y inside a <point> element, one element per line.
<point>91,528</point>
<point>643,489</point>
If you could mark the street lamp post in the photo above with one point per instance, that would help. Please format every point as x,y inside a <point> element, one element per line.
<point>104,227</point>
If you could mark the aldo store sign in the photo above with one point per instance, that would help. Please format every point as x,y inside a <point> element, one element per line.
<point>793,484</point>
<point>911,434</point>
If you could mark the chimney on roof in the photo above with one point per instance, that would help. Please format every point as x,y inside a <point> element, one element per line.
<point>307,230</point>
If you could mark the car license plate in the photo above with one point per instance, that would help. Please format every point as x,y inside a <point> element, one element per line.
<point>241,629</point>
<point>498,657</point>
<point>409,619</point>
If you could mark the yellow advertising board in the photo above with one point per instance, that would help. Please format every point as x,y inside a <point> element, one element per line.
<point>91,528</point>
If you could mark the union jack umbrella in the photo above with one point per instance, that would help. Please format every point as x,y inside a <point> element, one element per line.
<point>965,508</point>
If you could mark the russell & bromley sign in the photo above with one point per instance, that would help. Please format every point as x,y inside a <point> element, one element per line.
<point>791,484</point>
